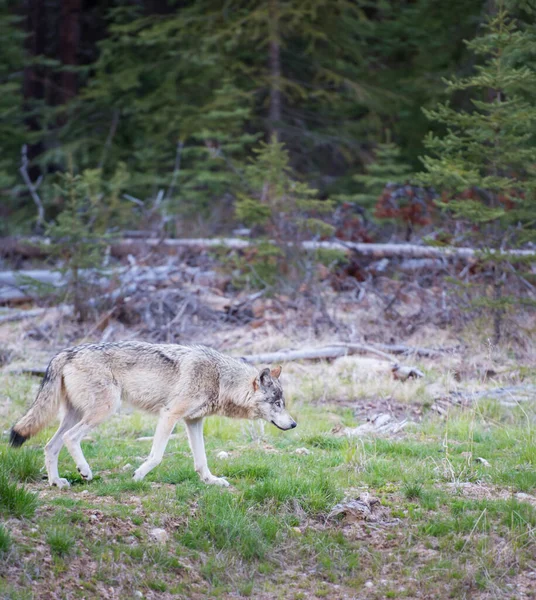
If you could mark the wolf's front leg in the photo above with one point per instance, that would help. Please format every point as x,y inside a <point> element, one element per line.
<point>164,427</point>
<point>194,428</point>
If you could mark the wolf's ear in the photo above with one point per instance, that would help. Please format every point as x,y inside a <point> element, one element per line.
<point>264,377</point>
<point>276,372</point>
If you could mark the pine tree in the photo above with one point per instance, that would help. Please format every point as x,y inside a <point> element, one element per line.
<point>485,163</point>
<point>386,168</point>
<point>286,211</point>
<point>12,135</point>
<point>78,236</point>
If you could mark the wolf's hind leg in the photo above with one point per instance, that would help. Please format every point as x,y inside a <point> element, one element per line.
<point>165,426</point>
<point>101,410</point>
<point>54,446</point>
<point>194,428</point>
<point>72,441</point>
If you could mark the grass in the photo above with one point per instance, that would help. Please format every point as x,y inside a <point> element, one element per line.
<point>22,464</point>
<point>5,540</point>
<point>454,524</point>
<point>15,500</point>
<point>61,541</point>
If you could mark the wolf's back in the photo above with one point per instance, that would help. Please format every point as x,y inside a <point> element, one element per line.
<point>45,406</point>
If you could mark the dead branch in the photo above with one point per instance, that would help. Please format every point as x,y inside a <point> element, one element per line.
<point>411,351</point>
<point>21,315</point>
<point>325,353</point>
<point>176,169</point>
<point>32,187</point>
<point>110,137</point>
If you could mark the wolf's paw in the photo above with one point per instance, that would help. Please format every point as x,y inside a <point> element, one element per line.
<point>211,480</point>
<point>138,476</point>
<point>85,473</point>
<point>60,483</point>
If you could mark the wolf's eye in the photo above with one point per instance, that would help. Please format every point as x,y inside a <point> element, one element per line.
<point>277,404</point>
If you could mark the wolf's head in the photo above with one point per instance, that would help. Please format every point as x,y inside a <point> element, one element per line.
<point>269,400</point>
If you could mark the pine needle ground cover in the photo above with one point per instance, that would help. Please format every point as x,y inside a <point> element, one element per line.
<point>453,509</point>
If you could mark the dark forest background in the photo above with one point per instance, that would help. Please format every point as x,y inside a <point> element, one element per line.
<point>284,121</point>
<point>140,89</point>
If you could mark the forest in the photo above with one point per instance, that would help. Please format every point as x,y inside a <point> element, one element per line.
<point>346,188</point>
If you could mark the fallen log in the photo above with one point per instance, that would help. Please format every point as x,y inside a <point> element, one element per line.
<point>37,247</point>
<point>325,353</point>
<point>19,286</point>
<point>21,315</point>
<point>338,349</point>
<point>412,351</point>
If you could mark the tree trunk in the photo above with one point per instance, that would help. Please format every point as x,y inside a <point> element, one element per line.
<point>275,70</point>
<point>34,75</point>
<point>69,42</point>
<point>497,309</point>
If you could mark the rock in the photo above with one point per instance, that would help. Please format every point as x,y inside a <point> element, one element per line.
<point>379,424</point>
<point>159,535</point>
<point>482,461</point>
<point>223,455</point>
<point>402,373</point>
<point>138,594</point>
<point>364,508</point>
<point>302,451</point>
<point>127,467</point>
<point>369,584</point>
<point>526,497</point>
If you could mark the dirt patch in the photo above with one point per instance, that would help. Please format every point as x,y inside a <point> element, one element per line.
<point>478,491</point>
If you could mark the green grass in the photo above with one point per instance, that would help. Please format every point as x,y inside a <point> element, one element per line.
<point>23,464</point>
<point>268,535</point>
<point>226,523</point>
<point>413,490</point>
<point>15,500</point>
<point>61,541</point>
<point>5,540</point>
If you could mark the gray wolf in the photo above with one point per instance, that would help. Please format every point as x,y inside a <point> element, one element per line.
<point>176,382</point>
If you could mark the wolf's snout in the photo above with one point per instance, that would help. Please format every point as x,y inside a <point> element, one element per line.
<point>285,426</point>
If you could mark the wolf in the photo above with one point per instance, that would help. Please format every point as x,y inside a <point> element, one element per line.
<point>176,382</point>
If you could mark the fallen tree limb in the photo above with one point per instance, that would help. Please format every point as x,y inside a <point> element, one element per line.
<point>411,351</point>
<point>507,396</point>
<point>21,315</point>
<point>37,247</point>
<point>326,352</point>
<point>19,286</point>
<point>338,349</point>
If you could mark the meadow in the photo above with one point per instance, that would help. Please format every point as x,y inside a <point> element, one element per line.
<point>456,516</point>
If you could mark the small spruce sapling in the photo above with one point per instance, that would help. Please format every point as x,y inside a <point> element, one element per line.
<point>285,211</point>
<point>78,237</point>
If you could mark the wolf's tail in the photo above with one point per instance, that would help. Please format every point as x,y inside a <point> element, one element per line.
<point>45,406</point>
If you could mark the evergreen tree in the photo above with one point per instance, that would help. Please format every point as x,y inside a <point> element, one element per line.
<point>285,210</point>
<point>12,135</point>
<point>387,167</point>
<point>485,162</point>
<point>78,236</point>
